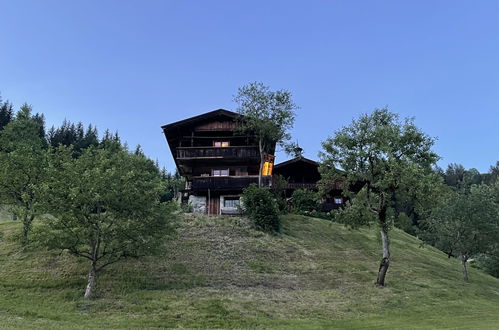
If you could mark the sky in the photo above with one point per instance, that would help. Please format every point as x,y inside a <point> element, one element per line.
<point>132,66</point>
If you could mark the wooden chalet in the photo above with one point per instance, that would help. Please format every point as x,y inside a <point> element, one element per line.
<point>303,173</point>
<point>216,159</point>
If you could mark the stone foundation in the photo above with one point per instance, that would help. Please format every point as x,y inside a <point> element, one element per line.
<point>198,203</point>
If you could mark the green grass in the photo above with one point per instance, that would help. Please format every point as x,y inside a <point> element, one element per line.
<point>219,273</point>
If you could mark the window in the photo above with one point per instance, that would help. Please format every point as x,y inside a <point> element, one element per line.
<point>224,172</point>
<point>221,144</point>
<point>338,200</point>
<point>242,171</point>
<point>267,168</point>
<point>231,202</point>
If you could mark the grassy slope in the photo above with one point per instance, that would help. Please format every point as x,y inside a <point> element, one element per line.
<point>219,273</point>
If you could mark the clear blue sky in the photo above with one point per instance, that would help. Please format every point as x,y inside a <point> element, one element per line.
<point>133,66</point>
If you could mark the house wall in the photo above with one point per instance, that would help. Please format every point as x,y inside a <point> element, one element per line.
<point>198,203</point>
<point>200,159</point>
<point>299,172</point>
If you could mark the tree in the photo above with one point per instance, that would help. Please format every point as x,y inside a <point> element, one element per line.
<point>22,166</point>
<point>269,115</point>
<point>6,113</point>
<point>70,134</point>
<point>22,171</point>
<point>173,184</point>
<point>458,177</point>
<point>454,175</point>
<point>493,175</point>
<point>379,156</point>
<point>26,130</point>
<point>106,207</point>
<point>489,261</point>
<point>278,189</point>
<point>466,224</point>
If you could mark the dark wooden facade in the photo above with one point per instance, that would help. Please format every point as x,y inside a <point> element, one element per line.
<point>303,173</point>
<point>216,159</point>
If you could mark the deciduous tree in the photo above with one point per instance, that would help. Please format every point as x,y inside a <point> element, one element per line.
<point>22,166</point>
<point>267,114</point>
<point>22,171</point>
<point>106,207</point>
<point>466,224</point>
<point>377,156</point>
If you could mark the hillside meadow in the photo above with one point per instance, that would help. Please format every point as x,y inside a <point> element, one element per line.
<point>219,273</point>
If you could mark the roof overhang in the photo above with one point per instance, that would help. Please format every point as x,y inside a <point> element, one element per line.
<point>296,160</point>
<point>173,129</point>
<point>208,115</point>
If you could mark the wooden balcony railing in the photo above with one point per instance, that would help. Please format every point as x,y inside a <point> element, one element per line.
<point>293,185</point>
<point>201,183</point>
<point>310,185</point>
<point>238,152</point>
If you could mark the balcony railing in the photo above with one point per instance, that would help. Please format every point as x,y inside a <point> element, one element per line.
<point>226,182</point>
<point>238,152</point>
<point>293,185</point>
<point>310,185</point>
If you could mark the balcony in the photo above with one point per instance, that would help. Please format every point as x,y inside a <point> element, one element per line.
<point>293,185</point>
<point>233,152</point>
<point>201,183</point>
<point>337,185</point>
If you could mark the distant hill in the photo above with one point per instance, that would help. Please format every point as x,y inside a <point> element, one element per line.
<point>219,273</point>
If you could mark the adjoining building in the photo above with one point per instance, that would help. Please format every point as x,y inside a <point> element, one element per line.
<point>303,173</point>
<point>218,161</point>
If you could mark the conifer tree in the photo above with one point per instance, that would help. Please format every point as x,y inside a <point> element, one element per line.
<point>6,113</point>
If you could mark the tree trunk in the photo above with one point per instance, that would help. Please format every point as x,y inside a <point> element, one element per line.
<point>262,160</point>
<point>464,260</point>
<point>27,221</point>
<point>385,261</point>
<point>92,277</point>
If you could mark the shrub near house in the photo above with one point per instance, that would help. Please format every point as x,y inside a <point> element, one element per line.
<point>259,205</point>
<point>304,200</point>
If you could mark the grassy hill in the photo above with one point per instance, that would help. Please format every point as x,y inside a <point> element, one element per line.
<point>219,273</point>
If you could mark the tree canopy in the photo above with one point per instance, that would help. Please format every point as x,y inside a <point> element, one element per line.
<point>26,129</point>
<point>106,206</point>
<point>269,115</point>
<point>467,223</point>
<point>23,160</point>
<point>376,157</point>
<point>70,134</point>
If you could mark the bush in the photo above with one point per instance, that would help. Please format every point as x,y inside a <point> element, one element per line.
<point>259,205</point>
<point>278,189</point>
<point>185,208</point>
<point>489,263</point>
<point>304,200</point>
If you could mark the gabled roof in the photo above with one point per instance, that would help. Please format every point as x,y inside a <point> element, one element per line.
<point>172,131</point>
<point>202,117</point>
<point>295,160</point>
